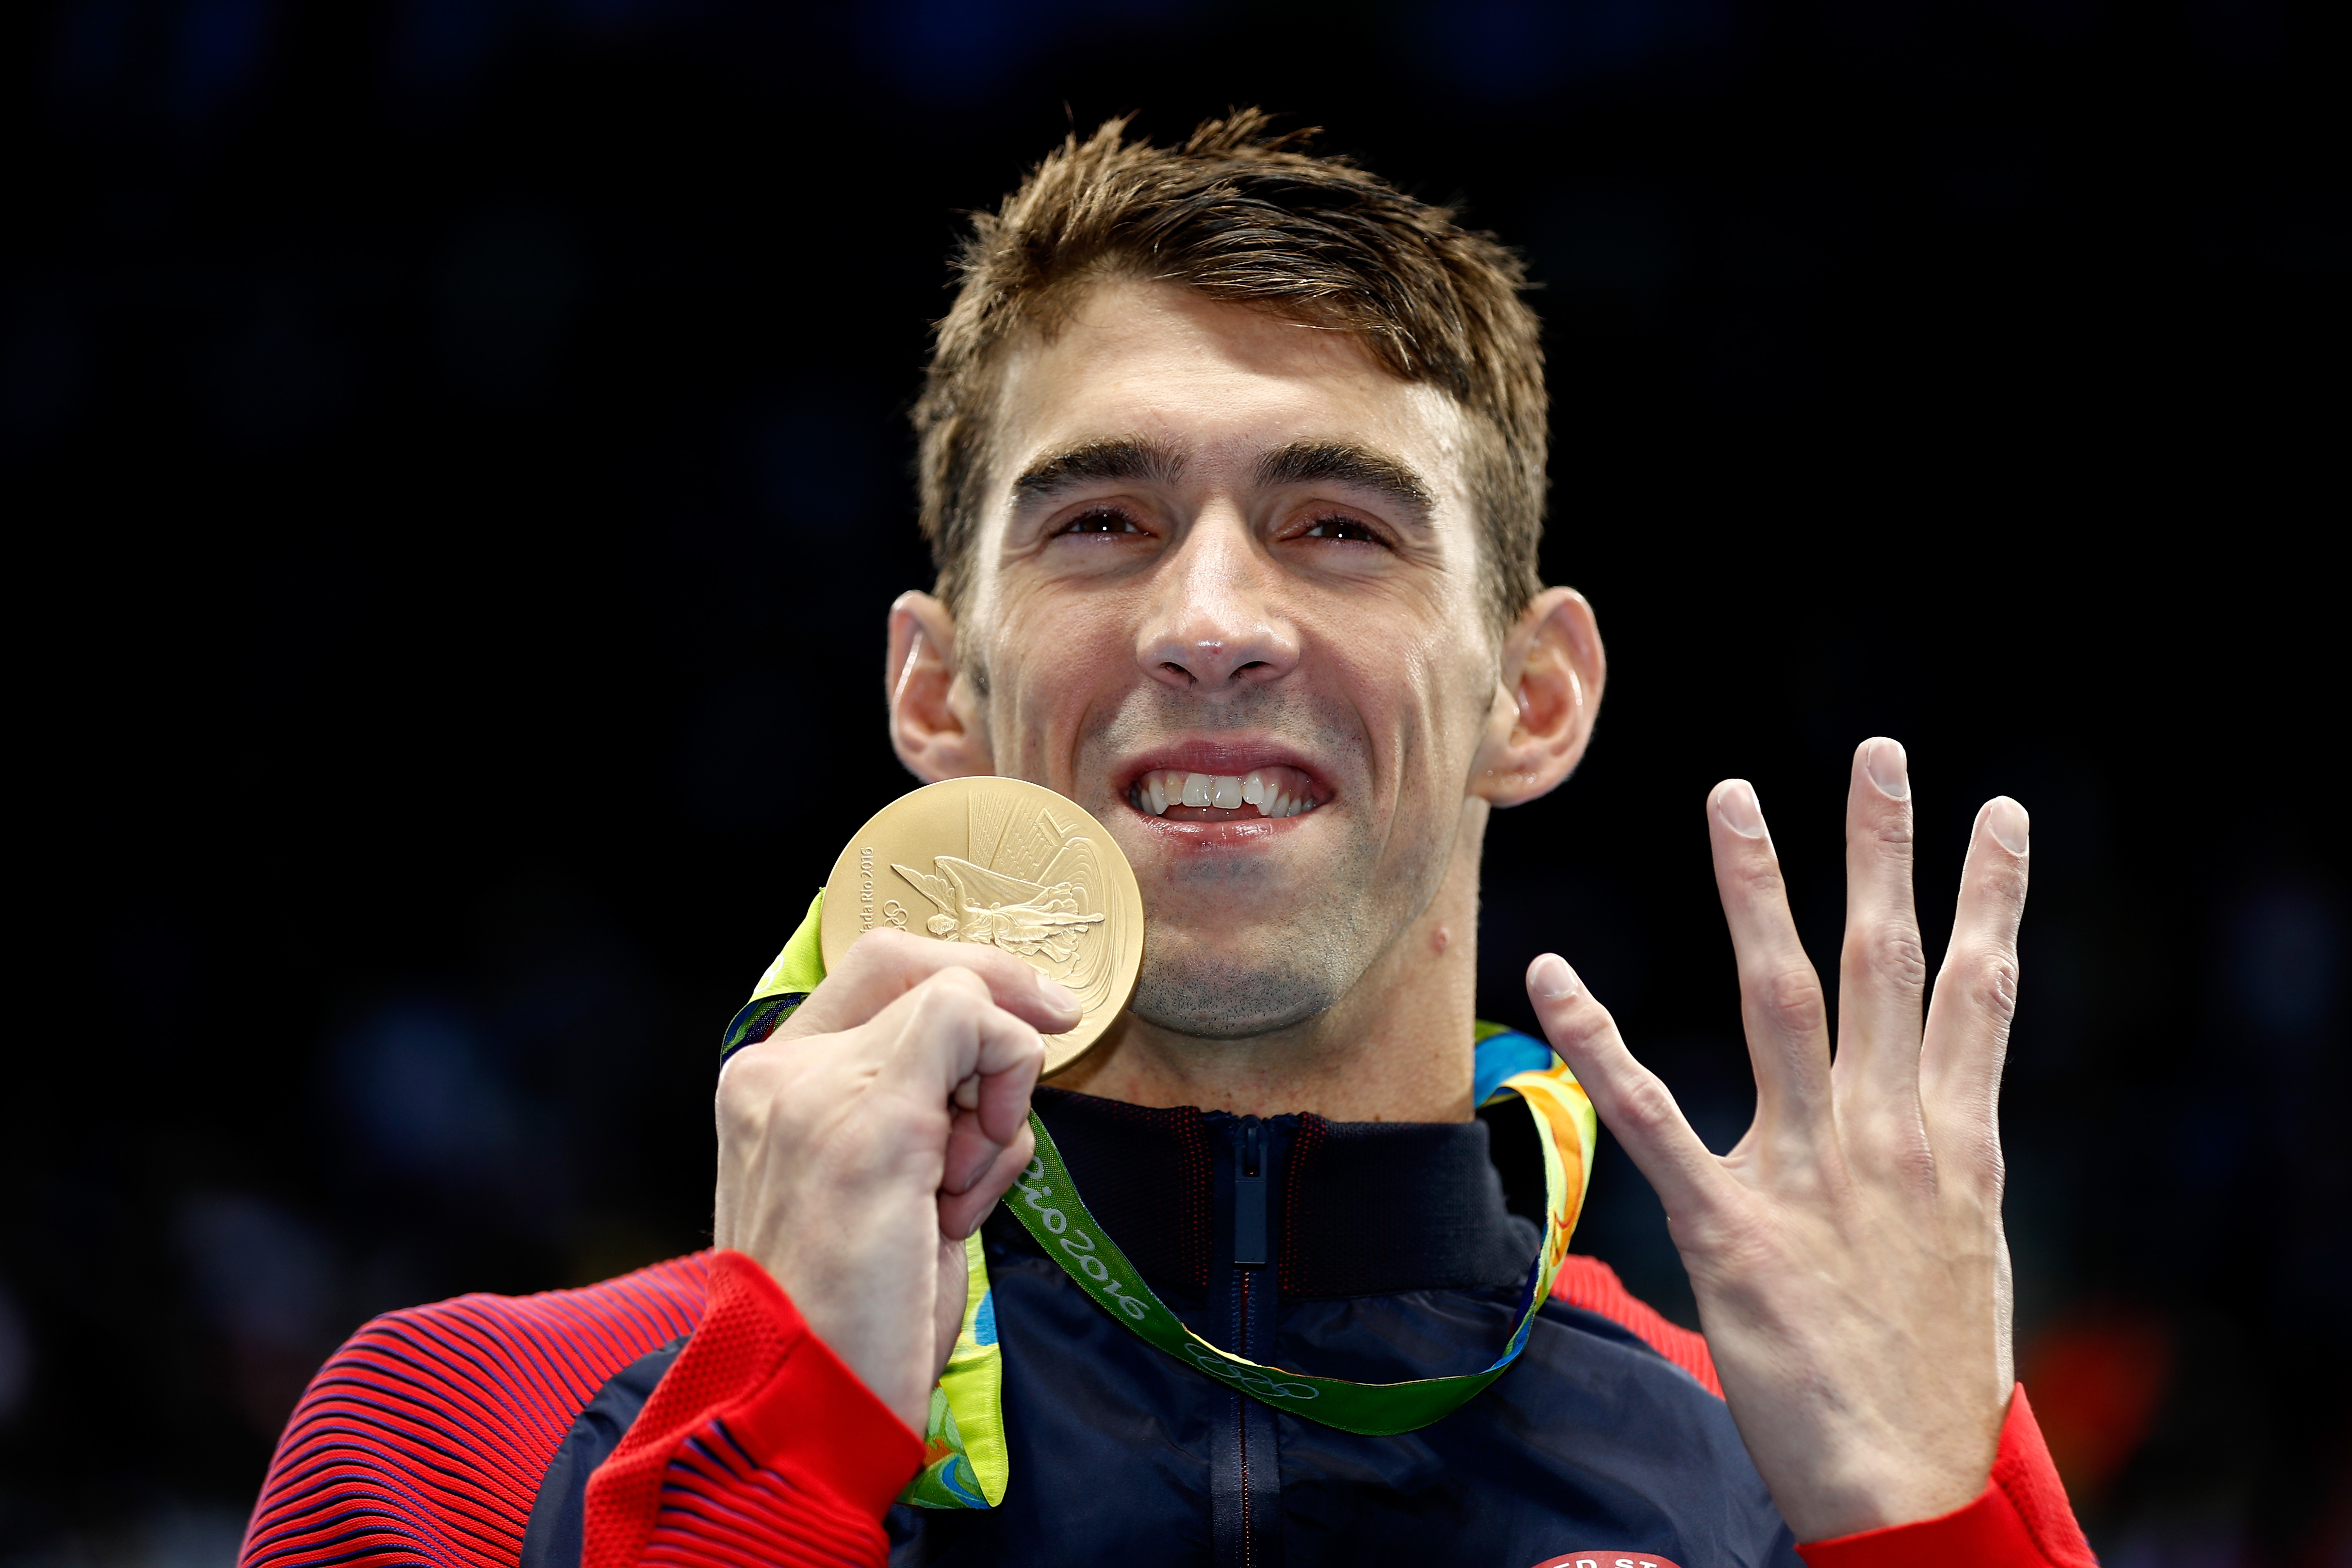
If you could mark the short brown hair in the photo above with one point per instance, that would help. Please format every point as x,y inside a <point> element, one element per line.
<point>1243,214</point>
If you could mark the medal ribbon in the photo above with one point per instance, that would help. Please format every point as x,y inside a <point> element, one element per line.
<point>965,1461</point>
<point>1047,1202</point>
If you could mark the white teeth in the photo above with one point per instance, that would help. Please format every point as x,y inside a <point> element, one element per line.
<point>1163,787</point>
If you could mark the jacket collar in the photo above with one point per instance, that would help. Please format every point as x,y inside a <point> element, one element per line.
<point>1353,1208</point>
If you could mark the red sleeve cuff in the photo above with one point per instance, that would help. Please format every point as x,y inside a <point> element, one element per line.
<point>783,1397</point>
<point>816,1420</point>
<point>2022,1519</point>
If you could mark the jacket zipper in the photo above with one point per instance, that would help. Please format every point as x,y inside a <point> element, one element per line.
<point>1241,1437</point>
<point>1249,1201</point>
<point>1249,1255</point>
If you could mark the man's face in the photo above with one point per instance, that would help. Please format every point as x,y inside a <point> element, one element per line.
<point>1233,547</point>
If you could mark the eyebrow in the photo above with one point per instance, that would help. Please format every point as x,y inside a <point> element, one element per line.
<point>1119,457</point>
<point>1122,458</point>
<point>1344,462</point>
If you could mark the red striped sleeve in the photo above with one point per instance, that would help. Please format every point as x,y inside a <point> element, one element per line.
<point>759,1448</point>
<point>424,1439</point>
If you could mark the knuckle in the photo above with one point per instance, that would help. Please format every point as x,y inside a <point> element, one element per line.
<point>1907,1159</point>
<point>1648,1104</point>
<point>1890,826</point>
<point>1991,979</point>
<point>1735,1248</point>
<point>880,951</point>
<point>969,982</point>
<point>1892,950</point>
<point>2000,880</point>
<point>951,997</point>
<point>995,958</point>
<point>746,1092</point>
<point>1792,1001</point>
<point>1759,875</point>
<point>741,1116</point>
<point>1579,1018</point>
<point>1973,1176</point>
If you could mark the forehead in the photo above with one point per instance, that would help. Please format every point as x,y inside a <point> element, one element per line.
<point>1223,383</point>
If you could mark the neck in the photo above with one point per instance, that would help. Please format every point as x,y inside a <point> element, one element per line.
<point>1396,1048</point>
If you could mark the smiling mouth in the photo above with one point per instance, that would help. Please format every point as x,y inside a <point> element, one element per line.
<point>1272,792</point>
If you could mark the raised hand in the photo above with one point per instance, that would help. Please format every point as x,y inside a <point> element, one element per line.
<point>1847,1255</point>
<point>862,1141</point>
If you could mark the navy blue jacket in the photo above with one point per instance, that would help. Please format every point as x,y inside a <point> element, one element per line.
<point>1376,1252</point>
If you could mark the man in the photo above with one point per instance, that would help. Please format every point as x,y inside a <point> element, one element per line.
<point>1233,464</point>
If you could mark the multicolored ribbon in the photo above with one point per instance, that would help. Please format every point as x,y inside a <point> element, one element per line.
<point>965,1463</point>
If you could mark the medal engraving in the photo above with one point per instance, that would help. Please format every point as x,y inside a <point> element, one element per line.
<point>1008,864</point>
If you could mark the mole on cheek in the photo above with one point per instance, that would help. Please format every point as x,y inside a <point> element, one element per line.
<point>1438,939</point>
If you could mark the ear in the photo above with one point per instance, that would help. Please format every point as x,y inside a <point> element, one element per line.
<point>934,722</point>
<point>1553,668</point>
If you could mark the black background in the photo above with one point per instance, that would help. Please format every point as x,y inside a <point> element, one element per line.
<point>457,470</point>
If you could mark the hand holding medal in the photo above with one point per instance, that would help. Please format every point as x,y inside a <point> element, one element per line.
<point>869,1133</point>
<point>1023,893</point>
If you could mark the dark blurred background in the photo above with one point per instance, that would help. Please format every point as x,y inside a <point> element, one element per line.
<point>456,457</point>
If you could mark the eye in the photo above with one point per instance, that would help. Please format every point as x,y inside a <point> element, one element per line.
<point>1099,520</point>
<point>1343,527</point>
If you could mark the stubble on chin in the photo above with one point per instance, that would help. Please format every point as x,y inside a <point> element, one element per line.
<point>1211,978</point>
<point>1227,995</point>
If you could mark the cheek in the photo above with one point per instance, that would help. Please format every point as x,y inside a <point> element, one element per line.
<point>1051,656</point>
<point>1421,717</point>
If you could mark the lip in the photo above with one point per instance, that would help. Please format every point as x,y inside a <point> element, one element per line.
<point>1226,757</point>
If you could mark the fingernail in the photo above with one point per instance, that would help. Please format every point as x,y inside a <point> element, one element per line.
<point>2009,824</point>
<point>1736,804</point>
<point>1057,995</point>
<point>1551,980</point>
<point>1889,768</point>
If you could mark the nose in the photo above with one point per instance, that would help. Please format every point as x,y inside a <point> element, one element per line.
<point>1215,622</point>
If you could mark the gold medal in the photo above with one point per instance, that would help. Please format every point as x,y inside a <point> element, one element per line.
<point>1006,862</point>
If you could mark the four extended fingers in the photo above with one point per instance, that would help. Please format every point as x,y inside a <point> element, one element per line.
<point>1955,1068</point>
<point>966,1044</point>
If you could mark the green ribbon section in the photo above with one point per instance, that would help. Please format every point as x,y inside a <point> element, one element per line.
<point>964,1460</point>
<point>1047,1202</point>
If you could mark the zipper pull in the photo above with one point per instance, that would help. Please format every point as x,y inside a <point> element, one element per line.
<point>1249,1197</point>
